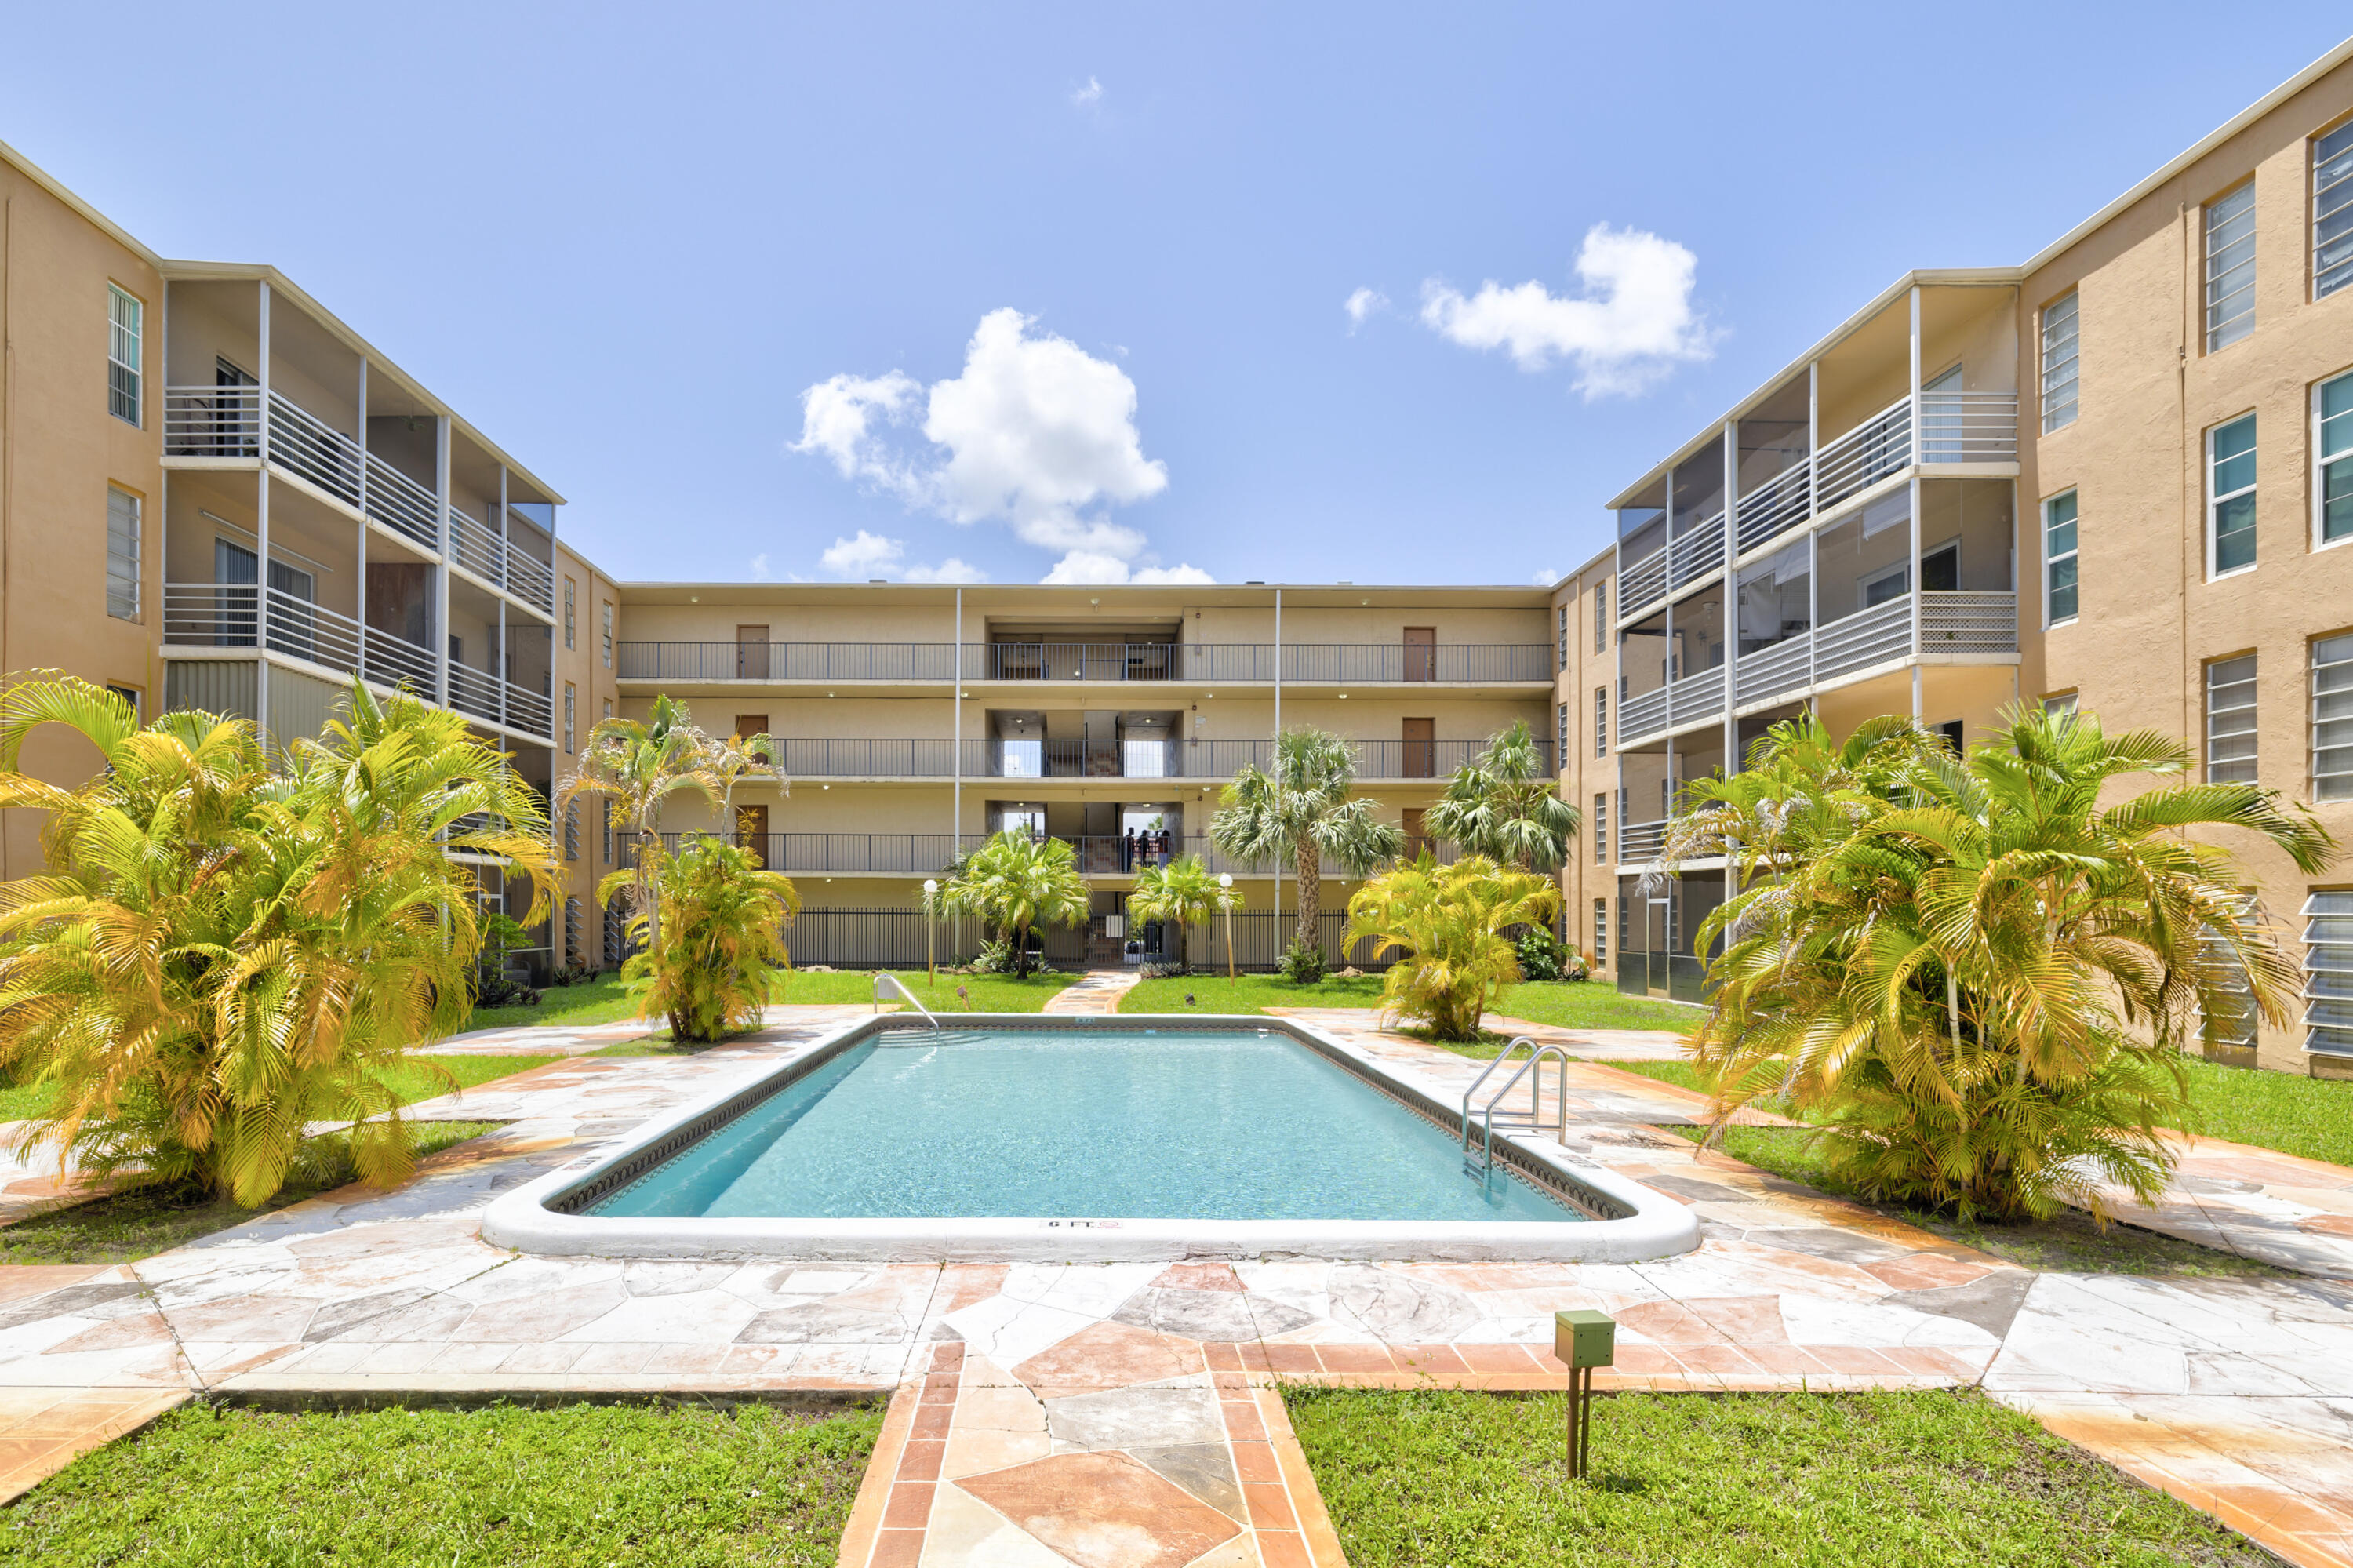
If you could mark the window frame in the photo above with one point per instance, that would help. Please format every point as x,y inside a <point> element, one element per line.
<point>2338,906</point>
<point>2252,707</point>
<point>1601,721</point>
<point>2242,325</point>
<point>1563,633</point>
<point>1601,827</point>
<point>135,696</point>
<point>2215,572</point>
<point>2072,555</point>
<point>571,716</point>
<point>604,629</point>
<point>2323,460</point>
<point>2341,188</point>
<point>571,615</point>
<point>2069,703</point>
<point>2073,301</point>
<point>137,504</point>
<point>1560,752</point>
<point>1601,616</point>
<point>135,368</point>
<point>1600,932</point>
<point>2316,688</point>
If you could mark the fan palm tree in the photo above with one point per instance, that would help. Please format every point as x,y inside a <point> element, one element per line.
<point>1185,891</point>
<point>1506,805</point>
<point>1014,882</point>
<point>218,957</point>
<point>1448,922</point>
<point>722,951</point>
<point>636,765</point>
<point>1976,975</point>
<point>1300,808</point>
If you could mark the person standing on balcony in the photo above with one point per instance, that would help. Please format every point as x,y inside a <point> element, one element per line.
<point>1127,851</point>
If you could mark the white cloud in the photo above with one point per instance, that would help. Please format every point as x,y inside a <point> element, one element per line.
<point>1035,432</point>
<point>1362,303</point>
<point>1545,576</point>
<point>948,571</point>
<point>868,555</point>
<point>1095,567</point>
<point>1631,324</point>
<point>1088,96</point>
<point>760,573</point>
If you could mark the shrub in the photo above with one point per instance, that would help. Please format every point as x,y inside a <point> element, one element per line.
<point>1303,962</point>
<point>722,945</point>
<point>1449,922</point>
<point>1542,954</point>
<point>1018,885</point>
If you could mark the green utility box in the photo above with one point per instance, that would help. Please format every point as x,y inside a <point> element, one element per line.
<point>1583,1337</point>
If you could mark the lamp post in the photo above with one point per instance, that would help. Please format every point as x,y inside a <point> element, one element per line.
<point>1226,887</point>
<point>931,927</point>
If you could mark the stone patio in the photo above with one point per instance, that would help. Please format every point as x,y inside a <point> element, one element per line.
<point>1125,1414</point>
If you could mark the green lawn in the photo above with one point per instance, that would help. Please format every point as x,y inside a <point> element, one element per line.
<point>599,1000</point>
<point>1593,1004</point>
<point>1247,993</point>
<point>2311,1117</point>
<point>1424,1477</point>
<point>145,1220</point>
<point>685,1488</point>
<point>602,1000</point>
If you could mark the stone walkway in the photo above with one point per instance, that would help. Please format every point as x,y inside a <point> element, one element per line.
<point>1096,991</point>
<point>1100,1414</point>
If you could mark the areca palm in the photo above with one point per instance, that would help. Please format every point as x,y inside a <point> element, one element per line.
<point>1976,975</point>
<point>1449,922</point>
<point>1300,808</point>
<point>1184,890</point>
<point>1506,805</point>
<point>217,956</point>
<point>722,940</point>
<point>1014,882</point>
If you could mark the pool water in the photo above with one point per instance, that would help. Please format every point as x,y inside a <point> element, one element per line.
<point>1104,1124</point>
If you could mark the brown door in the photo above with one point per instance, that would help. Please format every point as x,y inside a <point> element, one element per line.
<point>749,725</point>
<point>751,831</point>
<point>1421,749</point>
<point>1421,653</point>
<point>751,653</point>
<point>1416,839</point>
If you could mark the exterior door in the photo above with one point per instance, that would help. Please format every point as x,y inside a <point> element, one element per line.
<point>1416,838</point>
<point>1421,653</point>
<point>751,831</point>
<point>752,653</point>
<point>1658,937</point>
<point>749,725</point>
<point>1421,749</point>
<point>236,572</point>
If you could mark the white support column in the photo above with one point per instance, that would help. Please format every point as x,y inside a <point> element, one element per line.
<point>505,665</point>
<point>956,718</point>
<point>359,605</point>
<point>1731,596</point>
<point>1278,733</point>
<point>1913,574</point>
<point>499,659</point>
<point>441,572</point>
<point>1813,535</point>
<point>261,521</point>
<point>501,578</point>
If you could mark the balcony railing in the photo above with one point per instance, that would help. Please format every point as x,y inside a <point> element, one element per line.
<point>928,855</point>
<point>482,696</point>
<point>223,615</point>
<point>1696,553</point>
<point>927,757</point>
<point>476,548</point>
<point>1687,701</point>
<point>402,505</point>
<point>1638,842</point>
<point>1304,664</point>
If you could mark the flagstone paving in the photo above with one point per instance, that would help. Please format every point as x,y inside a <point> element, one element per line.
<point>1096,991</point>
<point>1060,1414</point>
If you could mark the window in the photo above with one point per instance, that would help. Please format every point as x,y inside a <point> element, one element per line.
<point>2064,703</point>
<point>2231,496</point>
<point>1601,617</point>
<point>571,613</point>
<point>1600,827</point>
<point>606,802</point>
<point>1600,932</point>
<point>130,695</point>
<point>1564,636</point>
<point>571,713</point>
<point>2328,974</point>
<point>125,335</point>
<point>2332,442</point>
<point>2230,267</point>
<point>605,622</point>
<point>2332,211</point>
<point>1560,753</point>
<point>2059,559</point>
<point>571,830</point>
<point>121,554</point>
<point>2332,718</point>
<point>2231,721</point>
<point>1601,721</point>
<point>2230,1017</point>
<point>2059,324</point>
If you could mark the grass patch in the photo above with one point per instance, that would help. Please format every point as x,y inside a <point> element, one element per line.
<point>1247,993</point>
<point>984,993</point>
<point>144,1221</point>
<point>2310,1117</point>
<point>1591,1004</point>
<point>685,1488</point>
<point>1426,1477</point>
<point>599,1000</point>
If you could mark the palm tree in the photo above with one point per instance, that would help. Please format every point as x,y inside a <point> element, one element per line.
<point>1448,922</point>
<point>1977,976</point>
<point>637,765</point>
<point>1506,805</point>
<point>218,957</point>
<point>723,943</point>
<point>1185,891</point>
<point>1014,882</point>
<point>1300,808</point>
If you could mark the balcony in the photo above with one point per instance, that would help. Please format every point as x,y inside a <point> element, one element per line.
<point>476,549</point>
<point>1378,760</point>
<point>1295,664</point>
<point>1957,428</point>
<point>918,855</point>
<point>1958,627</point>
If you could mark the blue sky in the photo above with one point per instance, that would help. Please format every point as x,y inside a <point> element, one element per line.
<point>1012,291</point>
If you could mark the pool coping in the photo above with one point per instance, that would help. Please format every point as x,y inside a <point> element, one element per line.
<point>1628,1222</point>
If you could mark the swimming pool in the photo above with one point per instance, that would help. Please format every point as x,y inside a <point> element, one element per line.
<point>1080,1138</point>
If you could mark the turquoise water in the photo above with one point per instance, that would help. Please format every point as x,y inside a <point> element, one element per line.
<point>1099,1124</point>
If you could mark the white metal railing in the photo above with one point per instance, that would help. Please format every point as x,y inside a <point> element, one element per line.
<point>1968,623</point>
<point>1866,454</point>
<point>402,505</point>
<point>474,547</point>
<point>1785,666</point>
<point>212,421</point>
<point>1859,641</point>
<point>1969,426</point>
<point>1781,502</point>
<point>391,661</point>
<point>1693,555</point>
<point>529,710</point>
<point>1640,841</point>
<point>211,615</point>
<point>1643,583</point>
<point>1641,717</point>
<point>308,448</point>
<point>529,578</point>
<point>302,630</point>
<point>1696,696</point>
<point>473,692</point>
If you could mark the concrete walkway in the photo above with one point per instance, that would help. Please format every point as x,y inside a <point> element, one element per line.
<point>1096,991</point>
<point>1088,1414</point>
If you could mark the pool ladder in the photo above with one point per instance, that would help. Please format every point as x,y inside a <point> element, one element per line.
<point>1482,1163</point>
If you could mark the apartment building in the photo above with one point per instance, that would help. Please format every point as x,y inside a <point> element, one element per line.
<point>215,493</point>
<point>2119,476</point>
